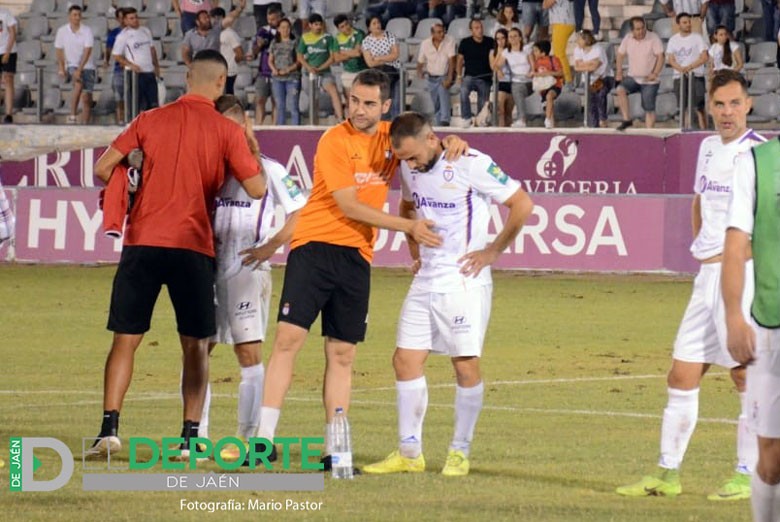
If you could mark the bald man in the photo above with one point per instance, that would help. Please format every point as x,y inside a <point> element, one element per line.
<point>168,238</point>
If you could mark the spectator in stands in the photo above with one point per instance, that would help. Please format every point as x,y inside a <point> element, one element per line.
<point>518,57</point>
<point>561,13</point>
<point>390,9</point>
<point>265,35</point>
<point>73,45</point>
<point>533,14</point>
<point>721,12</point>
<point>697,9</point>
<point>508,17</point>
<point>260,10</point>
<point>591,57</point>
<point>546,65</point>
<point>133,49</point>
<point>723,53</point>
<point>315,54</point>
<point>445,10</point>
<point>595,17</point>
<point>645,53</point>
<point>8,60</point>
<point>473,69</point>
<point>771,11</point>
<point>118,76</point>
<point>436,63</point>
<point>500,67</point>
<point>230,48</point>
<point>686,53</point>
<point>348,51</point>
<point>188,11</point>
<point>307,7</point>
<point>207,32</point>
<point>286,73</point>
<point>381,51</point>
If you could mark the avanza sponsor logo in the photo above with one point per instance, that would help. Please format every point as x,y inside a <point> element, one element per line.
<point>423,201</point>
<point>708,185</point>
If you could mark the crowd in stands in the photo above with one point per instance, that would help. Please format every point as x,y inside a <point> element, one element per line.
<point>538,54</point>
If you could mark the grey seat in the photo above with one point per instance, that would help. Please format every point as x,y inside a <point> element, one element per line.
<point>400,27</point>
<point>663,28</point>
<point>158,26</point>
<point>36,27</point>
<point>765,80</point>
<point>99,26</point>
<point>761,54</point>
<point>766,108</point>
<point>568,106</point>
<point>334,7</point>
<point>29,51</point>
<point>423,30</point>
<point>459,29</point>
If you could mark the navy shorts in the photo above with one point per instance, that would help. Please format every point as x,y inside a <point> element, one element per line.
<point>649,92</point>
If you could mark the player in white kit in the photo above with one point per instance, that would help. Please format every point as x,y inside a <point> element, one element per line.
<point>701,338</point>
<point>243,241</point>
<point>753,339</point>
<point>448,305</point>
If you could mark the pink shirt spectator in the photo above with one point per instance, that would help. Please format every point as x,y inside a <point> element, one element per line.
<point>642,55</point>
<point>193,6</point>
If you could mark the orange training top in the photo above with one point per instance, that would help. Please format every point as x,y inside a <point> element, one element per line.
<point>346,158</point>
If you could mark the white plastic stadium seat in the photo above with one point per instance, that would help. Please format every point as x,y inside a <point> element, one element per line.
<point>400,27</point>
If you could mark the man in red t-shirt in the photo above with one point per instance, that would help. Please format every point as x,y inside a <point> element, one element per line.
<point>168,237</point>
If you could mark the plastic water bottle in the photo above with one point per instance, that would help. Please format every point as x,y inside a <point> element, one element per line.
<point>341,442</point>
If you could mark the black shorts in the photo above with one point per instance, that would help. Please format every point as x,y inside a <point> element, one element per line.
<point>331,279</point>
<point>505,87</point>
<point>141,273</point>
<point>9,67</point>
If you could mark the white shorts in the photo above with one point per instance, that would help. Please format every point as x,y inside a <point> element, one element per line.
<point>763,384</point>
<point>701,337</point>
<point>451,324</point>
<point>243,302</point>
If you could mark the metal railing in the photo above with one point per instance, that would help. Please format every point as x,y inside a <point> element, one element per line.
<point>130,94</point>
<point>686,80</point>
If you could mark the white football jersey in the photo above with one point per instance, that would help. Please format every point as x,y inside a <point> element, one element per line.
<point>456,196</point>
<point>714,179</point>
<point>241,222</point>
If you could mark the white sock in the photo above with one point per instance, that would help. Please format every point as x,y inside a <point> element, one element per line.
<point>250,399</point>
<point>747,441</point>
<point>269,418</point>
<point>203,428</point>
<point>765,499</point>
<point>412,402</point>
<point>679,421</point>
<point>468,405</point>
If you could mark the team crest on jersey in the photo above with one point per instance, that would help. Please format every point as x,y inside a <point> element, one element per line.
<point>495,171</point>
<point>449,173</point>
<point>292,187</point>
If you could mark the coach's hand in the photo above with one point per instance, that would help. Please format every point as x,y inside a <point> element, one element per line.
<point>454,147</point>
<point>741,340</point>
<point>473,262</point>
<point>422,232</point>
<point>255,256</point>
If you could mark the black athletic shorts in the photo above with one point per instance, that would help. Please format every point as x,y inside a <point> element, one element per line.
<point>139,277</point>
<point>331,279</point>
<point>9,67</point>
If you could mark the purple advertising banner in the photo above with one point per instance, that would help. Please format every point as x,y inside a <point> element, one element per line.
<point>576,162</point>
<point>565,232</point>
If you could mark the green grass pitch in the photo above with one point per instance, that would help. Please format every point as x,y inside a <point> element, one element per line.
<point>574,367</point>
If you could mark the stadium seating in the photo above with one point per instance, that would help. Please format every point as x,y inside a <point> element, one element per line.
<point>765,80</point>
<point>766,108</point>
<point>761,54</point>
<point>400,27</point>
<point>423,30</point>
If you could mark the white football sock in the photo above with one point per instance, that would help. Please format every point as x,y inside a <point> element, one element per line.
<point>269,418</point>
<point>250,399</point>
<point>203,428</point>
<point>412,402</point>
<point>765,499</point>
<point>679,421</point>
<point>747,441</point>
<point>468,405</point>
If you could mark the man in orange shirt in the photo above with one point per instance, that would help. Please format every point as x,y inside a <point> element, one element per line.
<point>328,268</point>
<point>168,238</point>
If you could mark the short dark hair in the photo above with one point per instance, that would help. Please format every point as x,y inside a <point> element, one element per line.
<point>274,9</point>
<point>210,55</point>
<point>227,102</point>
<point>74,7</point>
<point>128,10</point>
<point>340,19</point>
<point>543,46</point>
<point>120,11</point>
<point>371,19</point>
<point>201,11</point>
<point>407,125</point>
<point>218,11</point>
<point>471,22</point>
<point>588,37</point>
<point>316,17</point>
<point>637,19</point>
<point>724,77</point>
<point>680,16</point>
<point>374,78</point>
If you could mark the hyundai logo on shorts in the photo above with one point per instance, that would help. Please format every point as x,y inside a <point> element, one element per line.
<point>459,319</point>
<point>244,305</point>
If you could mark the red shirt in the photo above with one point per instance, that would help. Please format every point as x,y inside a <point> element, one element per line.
<point>187,146</point>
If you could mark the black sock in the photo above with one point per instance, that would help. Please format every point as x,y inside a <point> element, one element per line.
<point>110,426</point>
<point>189,430</point>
